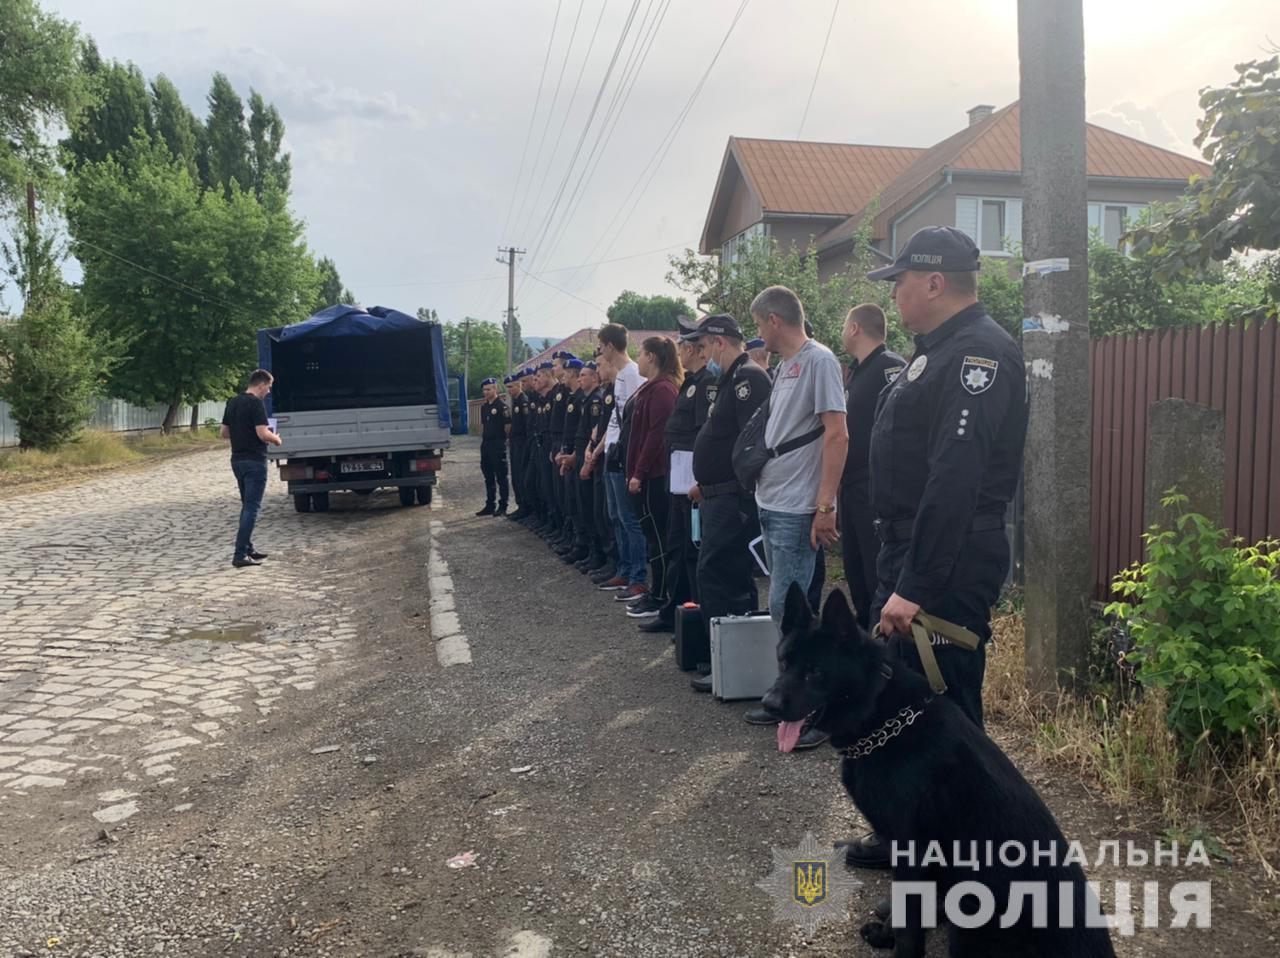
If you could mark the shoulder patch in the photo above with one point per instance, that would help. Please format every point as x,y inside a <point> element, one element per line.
<point>559,396</point>
<point>891,373</point>
<point>691,390</point>
<point>977,373</point>
<point>916,368</point>
<point>570,409</point>
<point>608,400</point>
<point>743,390</point>
<point>712,392</point>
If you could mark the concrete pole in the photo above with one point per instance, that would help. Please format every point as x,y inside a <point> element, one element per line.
<point>1059,542</point>
<point>511,252</point>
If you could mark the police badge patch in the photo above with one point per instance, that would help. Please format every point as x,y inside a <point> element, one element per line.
<point>712,391</point>
<point>570,409</point>
<point>742,391</point>
<point>892,372</point>
<point>608,400</point>
<point>916,368</point>
<point>691,390</point>
<point>977,373</point>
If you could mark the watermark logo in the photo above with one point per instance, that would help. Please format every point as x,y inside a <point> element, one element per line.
<point>808,884</point>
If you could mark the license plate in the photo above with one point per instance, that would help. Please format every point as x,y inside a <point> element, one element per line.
<point>363,465</point>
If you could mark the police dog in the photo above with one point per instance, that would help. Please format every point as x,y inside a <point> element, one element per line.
<point>922,773</point>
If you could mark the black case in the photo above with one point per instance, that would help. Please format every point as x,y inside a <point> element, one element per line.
<point>693,642</point>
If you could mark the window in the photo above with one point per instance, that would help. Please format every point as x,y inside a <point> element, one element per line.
<point>735,247</point>
<point>995,224</point>
<point>1110,220</point>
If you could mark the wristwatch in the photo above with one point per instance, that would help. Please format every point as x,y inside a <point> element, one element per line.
<point>825,510</point>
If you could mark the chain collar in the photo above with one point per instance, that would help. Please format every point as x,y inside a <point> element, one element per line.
<point>894,727</point>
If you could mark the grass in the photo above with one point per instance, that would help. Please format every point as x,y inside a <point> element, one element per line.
<point>96,449</point>
<point>1126,749</point>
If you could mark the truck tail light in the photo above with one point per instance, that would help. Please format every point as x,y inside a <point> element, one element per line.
<point>292,473</point>
<point>424,465</point>
<point>322,475</point>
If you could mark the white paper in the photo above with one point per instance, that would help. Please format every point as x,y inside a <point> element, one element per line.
<point>680,475</point>
<point>756,548</point>
<point>271,424</point>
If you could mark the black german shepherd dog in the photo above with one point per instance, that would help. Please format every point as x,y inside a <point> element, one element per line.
<point>921,772</point>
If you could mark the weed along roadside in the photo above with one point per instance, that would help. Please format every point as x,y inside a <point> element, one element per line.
<point>95,452</point>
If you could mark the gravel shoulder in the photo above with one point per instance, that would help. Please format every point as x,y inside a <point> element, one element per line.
<point>611,810</point>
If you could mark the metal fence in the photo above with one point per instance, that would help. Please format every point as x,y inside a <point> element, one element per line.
<point>116,415</point>
<point>1234,369</point>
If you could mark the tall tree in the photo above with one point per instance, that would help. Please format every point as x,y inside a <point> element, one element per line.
<point>1237,206</point>
<point>187,292</point>
<point>329,288</point>
<point>175,124</point>
<point>40,85</point>
<point>647,312</point>
<point>266,133</point>
<point>230,161</point>
<point>119,107</point>
<point>476,348</point>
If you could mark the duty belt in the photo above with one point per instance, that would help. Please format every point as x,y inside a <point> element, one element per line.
<point>720,489</point>
<point>899,530</point>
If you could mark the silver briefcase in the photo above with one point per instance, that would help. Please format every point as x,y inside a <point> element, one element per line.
<point>744,656</point>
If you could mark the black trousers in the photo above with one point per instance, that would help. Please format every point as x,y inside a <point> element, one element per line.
<point>726,571</point>
<point>600,513</point>
<point>966,599</point>
<point>550,484</point>
<point>859,546</point>
<point>682,565</point>
<point>493,463</point>
<point>519,448</point>
<point>532,479</point>
<point>651,505</point>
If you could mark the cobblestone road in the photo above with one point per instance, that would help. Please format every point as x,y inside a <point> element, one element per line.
<point>128,641</point>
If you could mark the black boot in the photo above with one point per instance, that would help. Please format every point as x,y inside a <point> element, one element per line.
<point>502,510</point>
<point>487,510</point>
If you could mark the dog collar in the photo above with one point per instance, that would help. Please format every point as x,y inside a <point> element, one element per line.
<point>894,727</point>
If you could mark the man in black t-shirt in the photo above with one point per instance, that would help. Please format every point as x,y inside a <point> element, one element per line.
<point>244,422</point>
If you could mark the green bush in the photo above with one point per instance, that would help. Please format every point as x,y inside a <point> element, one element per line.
<point>1204,612</point>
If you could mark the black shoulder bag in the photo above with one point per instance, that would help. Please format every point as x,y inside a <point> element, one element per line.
<point>750,452</point>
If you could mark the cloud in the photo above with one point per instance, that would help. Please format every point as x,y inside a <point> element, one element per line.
<point>1144,123</point>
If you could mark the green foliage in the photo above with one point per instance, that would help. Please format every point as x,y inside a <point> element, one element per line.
<point>51,368</point>
<point>183,277</point>
<point>1204,611</point>
<point>730,288</point>
<point>176,125</point>
<point>477,349</point>
<point>1236,207</point>
<point>1000,290</point>
<point>40,86</point>
<point>230,163</point>
<point>119,108</point>
<point>266,133</point>
<point>330,290</point>
<point>647,312</point>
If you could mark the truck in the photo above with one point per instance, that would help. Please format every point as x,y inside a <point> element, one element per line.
<point>361,402</point>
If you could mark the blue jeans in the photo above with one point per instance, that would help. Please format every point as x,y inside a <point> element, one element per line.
<point>626,529</point>
<point>251,477</point>
<point>788,555</point>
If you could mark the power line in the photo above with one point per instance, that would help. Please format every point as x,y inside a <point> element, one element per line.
<point>822,56</point>
<point>524,152</point>
<point>176,283</point>
<point>565,291</point>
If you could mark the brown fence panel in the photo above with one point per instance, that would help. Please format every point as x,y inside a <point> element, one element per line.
<point>1234,369</point>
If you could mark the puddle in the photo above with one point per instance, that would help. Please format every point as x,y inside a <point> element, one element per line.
<point>219,633</point>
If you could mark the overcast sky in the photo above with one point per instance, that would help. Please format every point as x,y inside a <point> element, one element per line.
<point>407,119</point>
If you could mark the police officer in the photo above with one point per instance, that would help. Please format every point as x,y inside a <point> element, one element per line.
<point>680,433</point>
<point>588,425</point>
<point>519,436</point>
<point>946,452</point>
<point>559,404</point>
<point>726,571</point>
<point>874,367</point>
<point>574,549</point>
<point>495,421</point>
<point>536,389</point>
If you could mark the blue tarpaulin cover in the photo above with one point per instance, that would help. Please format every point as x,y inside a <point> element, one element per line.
<point>340,321</point>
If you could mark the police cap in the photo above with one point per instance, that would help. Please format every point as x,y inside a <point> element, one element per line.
<point>933,249</point>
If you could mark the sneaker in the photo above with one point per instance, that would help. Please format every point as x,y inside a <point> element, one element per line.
<point>643,610</point>
<point>601,576</point>
<point>615,584</point>
<point>631,593</point>
<point>259,556</point>
<point>244,561</point>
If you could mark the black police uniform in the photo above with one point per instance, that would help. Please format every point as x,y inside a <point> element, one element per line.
<point>558,400</point>
<point>604,525</point>
<point>592,407</point>
<point>859,545</point>
<point>494,418</point>
<point>570,480</point>
<point>533,465</point>
<point>946,452</point>
<point>680,433</point>
<point>519,450</point>
<point>726,580</point>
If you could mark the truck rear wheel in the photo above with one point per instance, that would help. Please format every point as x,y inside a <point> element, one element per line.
<point>320,501</point>
<point>406,495</point>
<point>424,495</point>
<point>302,501</point>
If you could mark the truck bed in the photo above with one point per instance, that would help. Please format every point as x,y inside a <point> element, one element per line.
<point>339,432</point>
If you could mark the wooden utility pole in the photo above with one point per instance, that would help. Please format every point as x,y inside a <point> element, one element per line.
<point>511,252</point>
<point>466,358</point>
<point>1055,340</point>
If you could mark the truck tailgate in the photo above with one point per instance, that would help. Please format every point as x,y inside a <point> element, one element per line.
<point>332,432</point>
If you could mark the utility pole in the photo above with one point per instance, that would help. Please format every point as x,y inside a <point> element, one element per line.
<point>511,252</point>
<point>466,357</point>
<point>1055,340</point>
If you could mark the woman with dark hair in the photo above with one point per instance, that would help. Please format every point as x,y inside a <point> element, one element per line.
<point>647,462</point>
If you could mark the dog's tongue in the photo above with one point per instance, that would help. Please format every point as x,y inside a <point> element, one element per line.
<point>789,734</point>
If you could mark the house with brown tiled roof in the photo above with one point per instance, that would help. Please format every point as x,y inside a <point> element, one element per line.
<point>820,193</point>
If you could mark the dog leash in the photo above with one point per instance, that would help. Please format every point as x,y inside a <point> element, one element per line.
<point>923,626</point>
